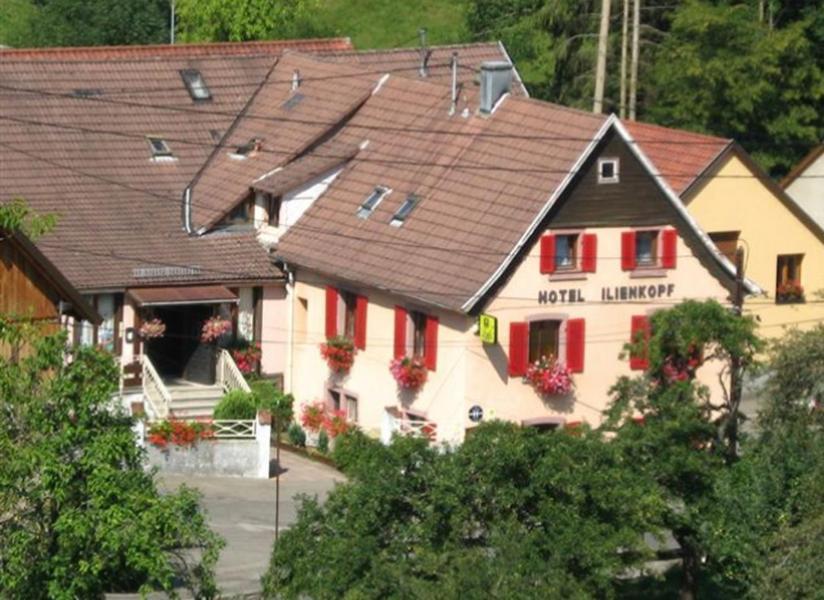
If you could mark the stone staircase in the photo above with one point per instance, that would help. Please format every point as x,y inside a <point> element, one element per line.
<point>192,401</point>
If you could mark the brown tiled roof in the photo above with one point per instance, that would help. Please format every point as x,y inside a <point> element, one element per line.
<point>482,181</point>
<point>679,156</point>
<point>314,164</point>
<point>176,51</point>
<point>406,62</point>
<point>285,121</point>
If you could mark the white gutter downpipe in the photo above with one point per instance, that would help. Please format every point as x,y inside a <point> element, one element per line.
<point>288,374</point>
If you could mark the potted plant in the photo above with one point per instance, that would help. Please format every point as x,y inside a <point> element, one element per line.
<point>179,433</point>
<point>154,328</point>
<point>409,372</point>
<point>214,328</point>
<point>789,292</point>
<point>312,417</point>
<point>339,352</point>
<point>246,355</point>
<point>549,377</point>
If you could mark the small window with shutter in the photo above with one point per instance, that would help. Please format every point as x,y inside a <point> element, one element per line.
<point>568,252</point>
<point>649,249</point>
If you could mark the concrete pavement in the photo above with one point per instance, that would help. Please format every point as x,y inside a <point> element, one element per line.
<point>242,511</point>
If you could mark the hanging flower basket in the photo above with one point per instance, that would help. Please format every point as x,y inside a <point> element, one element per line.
<point>410,373</point>
<point>789,293</point>
<point>154,328</point>
<point>313,416</point>
<point>549,377</point>
<point>339,353</point>
<point>213,328</point>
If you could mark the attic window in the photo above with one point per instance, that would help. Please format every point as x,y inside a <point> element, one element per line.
<point>608,170</point>
<point>248,149</point>
<point>160,149</point>
<point>197,87</point>
<point>403,212</point>
<point>371,203</point>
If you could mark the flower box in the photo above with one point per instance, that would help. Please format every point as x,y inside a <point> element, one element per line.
<point>409,372</point>
<point>791,292</point>
<point>179,433</point>
<point>339,353</point>
<point>549,377</point>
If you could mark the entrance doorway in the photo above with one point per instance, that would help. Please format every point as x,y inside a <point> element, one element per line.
<point>179,353</point>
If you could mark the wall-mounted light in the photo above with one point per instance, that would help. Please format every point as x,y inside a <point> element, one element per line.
<point>129,335</point>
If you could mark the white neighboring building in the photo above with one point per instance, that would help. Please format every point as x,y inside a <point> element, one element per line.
<point>805,184</point>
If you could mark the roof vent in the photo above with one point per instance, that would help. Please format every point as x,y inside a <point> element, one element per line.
<point>496,80</point>
<point>296,80</point>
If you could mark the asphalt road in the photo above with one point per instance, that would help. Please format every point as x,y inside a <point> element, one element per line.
<point>242,511</point>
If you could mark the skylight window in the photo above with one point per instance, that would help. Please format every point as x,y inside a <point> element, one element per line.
<point>248,149</point>
<point>372,200</point>
<point>403,212</point>
<point>197,87</point>
<point>160,149</point>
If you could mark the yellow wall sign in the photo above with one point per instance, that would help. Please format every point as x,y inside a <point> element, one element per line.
<point>488,327</point>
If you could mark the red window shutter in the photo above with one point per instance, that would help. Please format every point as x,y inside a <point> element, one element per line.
<point>360,322</point>
<point>628,250</point>
<point>400,332</point>
<point>589,252</point>
<point>518,348</point>
<point>430,341</point>
<point>576,334</point>
<point>638,361</point>
<point>669,248</point>
<point>331,312</point>
<point>548,254</point>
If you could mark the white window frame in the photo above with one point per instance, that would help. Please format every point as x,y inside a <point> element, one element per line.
<point>616,177</point>
<point>363,211</point>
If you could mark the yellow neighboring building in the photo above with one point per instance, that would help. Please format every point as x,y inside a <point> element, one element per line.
<point>737,203</point>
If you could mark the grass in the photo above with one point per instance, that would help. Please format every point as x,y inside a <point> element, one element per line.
<point>389,23</point>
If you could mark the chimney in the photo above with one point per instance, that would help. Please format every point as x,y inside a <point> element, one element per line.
<point>423,70</point>
<point>496,80</point>
<point>296,79</point>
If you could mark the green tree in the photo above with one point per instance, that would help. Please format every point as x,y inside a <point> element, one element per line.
<point>510,513</point>
<point>79,515</point>
<point>240,20</point>
<point>16,22</point>
<point>722,71</point>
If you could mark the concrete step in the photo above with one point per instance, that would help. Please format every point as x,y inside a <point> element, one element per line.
<point>195,392</point>
<point>195,405</point>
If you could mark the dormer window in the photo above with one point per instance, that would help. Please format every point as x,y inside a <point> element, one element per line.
<point>160,149</point>
<point>608,170</point>
<point>248,149</point>
<point>197,87</point>
<point>372,200</point>
<point>399,218</point>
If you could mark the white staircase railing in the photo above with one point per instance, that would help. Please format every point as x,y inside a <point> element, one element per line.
<point>154,390</point>
<point>229,376</point>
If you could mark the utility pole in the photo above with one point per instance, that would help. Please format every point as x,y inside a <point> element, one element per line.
<point>624,47</point>
<point>172,23</point>
<point>276,420</point>
<point>601,63</point>
<point>735,362</point>
<point>633,74</point>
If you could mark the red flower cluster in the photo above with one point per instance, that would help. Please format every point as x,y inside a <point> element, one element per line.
<point>682,368</point>
<point>410,373</point>
<point>316,416</point>
<point>549,377</point>
<point>791,290</point>
<point>248,358</point>
<point>213,328</point>
<point>179,433</point>
<point>339,353</point>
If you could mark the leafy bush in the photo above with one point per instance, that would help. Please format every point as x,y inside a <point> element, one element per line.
<point>296,435</point>
<point>274,400</point>
<point>356,453</point>
<point>323,441</point>
<point>237,404</point>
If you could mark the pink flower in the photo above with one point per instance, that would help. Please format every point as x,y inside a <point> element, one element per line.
<point>549,377</point>
<point>410,373</point>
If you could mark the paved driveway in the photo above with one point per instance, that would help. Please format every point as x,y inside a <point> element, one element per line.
<point>242,511</point>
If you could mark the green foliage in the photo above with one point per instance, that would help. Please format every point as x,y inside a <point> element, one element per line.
<point>80,515</point>
<point>296,435</point>
<point>239,20</point>
<point>16,216</point>
<point>236,404</point>
<point>511,513</point>
<point>722,71</point>
<point>323,441</point>
<point>16,20</point>
<point>796,372</point>
<point>270,398</point>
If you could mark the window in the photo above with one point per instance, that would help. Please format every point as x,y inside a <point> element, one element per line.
<point>417,343</point>
<point>566,252</point>
<point>544,339</point>
<point>248,149</point>
<point>346,315</point>
<point>351,408</point>
<point>788,278</point>
<point>160,149</point>
<point>416,334</point>
<point>340,400</point>
<point>196,86</point>
<point>240,214</point>
<point>371,203</point>
<point>350,304</point>
<point>608,170</point>
<point>646,248</point>
<point>274,210</point>
<point>726,242</point>
<point>403,212</point>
